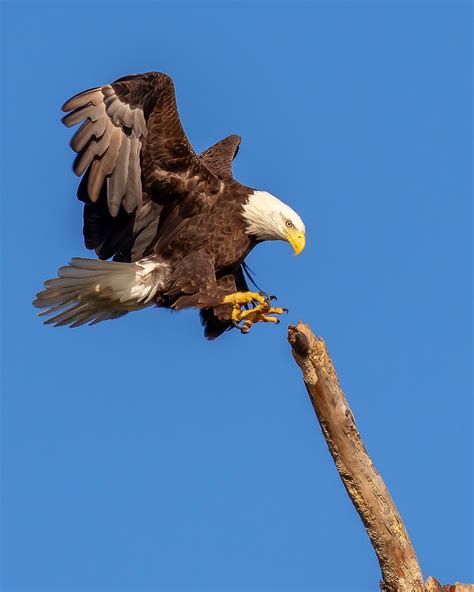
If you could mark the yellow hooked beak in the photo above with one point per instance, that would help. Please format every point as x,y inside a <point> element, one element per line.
<point>296,239</point>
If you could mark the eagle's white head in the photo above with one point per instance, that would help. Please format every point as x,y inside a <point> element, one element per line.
<point>268,218</point>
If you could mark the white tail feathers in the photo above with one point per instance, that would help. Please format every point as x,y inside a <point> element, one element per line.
<point>90,291</point>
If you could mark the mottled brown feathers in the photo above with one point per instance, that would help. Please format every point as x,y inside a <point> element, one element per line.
<point>218,158</point>
<point>147,193</point>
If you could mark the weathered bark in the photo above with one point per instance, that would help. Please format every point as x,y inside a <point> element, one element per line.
<point>389,538</point>
<point>432,585</point>
<point>370,496</point>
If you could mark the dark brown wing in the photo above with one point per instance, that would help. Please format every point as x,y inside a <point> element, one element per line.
<point>218,158</point>
<point>130,237</point>
<point>125,237</point>
<point>131,140</point>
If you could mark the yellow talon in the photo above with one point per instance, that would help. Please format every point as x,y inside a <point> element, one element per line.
<point>236,314</point>
<point>260,312</point>
<point>276,310</point>
<point>261,318</point>
<point>266,319</point>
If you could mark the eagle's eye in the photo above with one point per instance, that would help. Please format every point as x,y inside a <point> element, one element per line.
<point>289,223</point>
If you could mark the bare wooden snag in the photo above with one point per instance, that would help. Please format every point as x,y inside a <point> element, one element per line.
<point>371,498</point>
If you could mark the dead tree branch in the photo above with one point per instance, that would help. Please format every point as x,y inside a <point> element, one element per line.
<point>370,496</point>
<point>368,493</point>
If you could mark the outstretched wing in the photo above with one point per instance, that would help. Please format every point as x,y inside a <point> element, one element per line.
<point>130,237</point>
<point>218,158</point>
<point>131,141</point>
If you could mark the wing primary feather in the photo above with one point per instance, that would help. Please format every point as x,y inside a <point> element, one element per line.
<point>118,180</point>
<point>112,106</point>
<point>90,111</point>
<point>108,163</point>
<point>88,131</point>
<point>133,196</point>
<point>95,180</point>
<point>93,95</point>
<point>108,90</point>
<point>93,149</point>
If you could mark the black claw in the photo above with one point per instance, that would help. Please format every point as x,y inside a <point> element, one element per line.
<point>268,298</point>
<point>277,322</point>
<point>285,310</point>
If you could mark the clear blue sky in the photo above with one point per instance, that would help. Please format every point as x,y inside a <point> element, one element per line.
<point>136,455</point>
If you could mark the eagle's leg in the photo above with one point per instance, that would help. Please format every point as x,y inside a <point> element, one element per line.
<point>242,299</point>
<point>261,311</point>
<point>238,299</point>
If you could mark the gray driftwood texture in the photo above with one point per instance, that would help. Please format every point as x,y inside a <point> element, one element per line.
<point>371,498</point>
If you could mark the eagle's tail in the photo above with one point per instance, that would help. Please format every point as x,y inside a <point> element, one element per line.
<point>90,291</point>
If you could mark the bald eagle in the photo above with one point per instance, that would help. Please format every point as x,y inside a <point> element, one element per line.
<point>177,225</point>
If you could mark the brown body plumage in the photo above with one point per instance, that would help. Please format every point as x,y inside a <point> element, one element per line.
<point>150,200</point>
